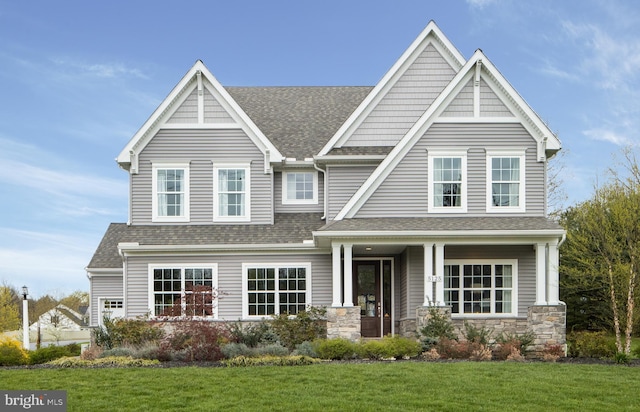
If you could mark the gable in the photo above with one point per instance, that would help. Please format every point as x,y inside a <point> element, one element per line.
<point>477,101</point>
<point>198,101</point>
<point>406,100</point>
<point>424,50</point>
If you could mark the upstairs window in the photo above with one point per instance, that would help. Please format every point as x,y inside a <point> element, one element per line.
<point>231,193</point>
<point>505,182</point>
<point>447,182</point>
<point>170,193</point>
<point>299,187</point>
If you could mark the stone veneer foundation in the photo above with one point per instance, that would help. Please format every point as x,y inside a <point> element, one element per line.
<point>344,322</point>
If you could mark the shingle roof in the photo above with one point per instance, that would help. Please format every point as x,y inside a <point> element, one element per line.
<point>461,223</point>
<point>287,228</point>
<point>299,121</point>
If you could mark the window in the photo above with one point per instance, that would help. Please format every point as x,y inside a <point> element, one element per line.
<point>183,291</point>
<point>447,182</point>
<point>505,182</point>
<point>299,187</point>
<point>275,289</point>
<point>170,193</point>
<point>481,288</point>
<point>231,193</point>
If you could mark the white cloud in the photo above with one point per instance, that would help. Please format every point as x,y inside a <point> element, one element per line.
<point>102,70</point>
<point>480,4</point>
<point>608,136</point>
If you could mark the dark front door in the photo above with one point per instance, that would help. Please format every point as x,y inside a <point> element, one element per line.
<point>367,295</point>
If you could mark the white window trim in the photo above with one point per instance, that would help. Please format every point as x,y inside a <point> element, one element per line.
<point>285,192</point>
<point>154,197</point>
<point>439,153</point>
<point>182,267</point>
<point>514,286</point>
<point>521,208</point>
<point>247,193</point>
<point>276,266</point>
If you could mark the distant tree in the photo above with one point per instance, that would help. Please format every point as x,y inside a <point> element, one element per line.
<point>41,306</point>
<point>9,310</point>
<point>603,246</point>
<point>75,300</point>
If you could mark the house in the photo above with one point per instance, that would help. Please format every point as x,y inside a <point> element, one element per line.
<point>378,203</point>
<point>61,323</point>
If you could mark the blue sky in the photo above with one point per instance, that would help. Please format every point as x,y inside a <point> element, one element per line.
<point>78,78</point>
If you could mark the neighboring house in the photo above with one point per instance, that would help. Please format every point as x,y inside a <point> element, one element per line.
<point>428,189</point>
<point>61,318</point>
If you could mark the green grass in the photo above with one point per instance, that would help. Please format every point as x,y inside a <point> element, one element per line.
<point>402,386</point>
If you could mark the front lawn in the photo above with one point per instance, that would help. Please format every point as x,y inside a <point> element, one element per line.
<point>401,386</point>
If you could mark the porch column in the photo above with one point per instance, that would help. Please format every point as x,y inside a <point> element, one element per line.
<point>553,277</point>
<point>440,274</point>
<point>428,274</point>
<point>348,275</point>
<point>541,275</point>
<point>336,275</point>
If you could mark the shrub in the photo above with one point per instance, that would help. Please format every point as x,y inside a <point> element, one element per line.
<point>274,349</point>
<point>437,327</point>
<point>307,325</point>
<point>113,361</point>
<point>506,342</point>
<point>375,349</point>
<point>194,340</point>
<point>591,345</point>
<point>338,348</point>
<point>402,347</point>
<point>12,353</point>
<point>252,334</point>
<point>74,349</point>
<point>431,355</point>
<point>49,353</point>
<point>305,348</point>
<point>93,352</point>
<point>515,355</point>
<point>269,360</point>
<point>552,353</point>
<point>451,349</point>
<point>126,332</point>
<point>118,352</point>
<point>233,350</point>
<point>622,358</point>
<point>473,333</point>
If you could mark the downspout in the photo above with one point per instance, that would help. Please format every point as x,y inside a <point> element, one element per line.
<point>324,183</point>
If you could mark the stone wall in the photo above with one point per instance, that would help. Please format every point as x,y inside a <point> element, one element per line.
<point>343,322</point>
<point>549,323</point>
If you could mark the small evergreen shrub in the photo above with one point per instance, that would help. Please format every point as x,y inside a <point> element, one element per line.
<point>233,350</point>
<point>507,342</point>
<point>336,349</point>
<point>305,348</point>
<point>274,349</point>
<point>126,332</point>
<point>402,347</point>
<point>591,345</point>
<point>375,349</point>
<point>473,333</point>
<point>306,325</point>
<point>437,327</point>
<point>622,358</point>
<point>12,353</point>
<point>49,353</point>
<point>252,334</point>
<point>118,352</point>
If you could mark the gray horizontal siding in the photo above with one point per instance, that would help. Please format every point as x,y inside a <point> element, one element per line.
<point>103,287</point>
<point>202,148</point>
<point>188,110</point>
<point>405,102</point>
<point>229,279</point>
<point>490,104</point>
<point>281,208</point>
<point>213,110</point>
<point>343,183</point>
<point>404,193</point>
<point>462,104</point>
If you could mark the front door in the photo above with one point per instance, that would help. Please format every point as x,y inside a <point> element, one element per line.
<point>372,293</point>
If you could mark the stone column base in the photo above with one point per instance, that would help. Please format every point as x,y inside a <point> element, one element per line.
<point>549,324</point>
<point>344,322</point>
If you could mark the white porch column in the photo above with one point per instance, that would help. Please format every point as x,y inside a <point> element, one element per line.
<point>553,278</point>
<point>336,275</point>
<point>440,274</point>
<point>428,274</point>
<point>348,275</point>
<point>541,275</point>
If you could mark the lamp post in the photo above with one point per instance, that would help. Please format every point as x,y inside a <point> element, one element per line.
<point>25,318</point>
